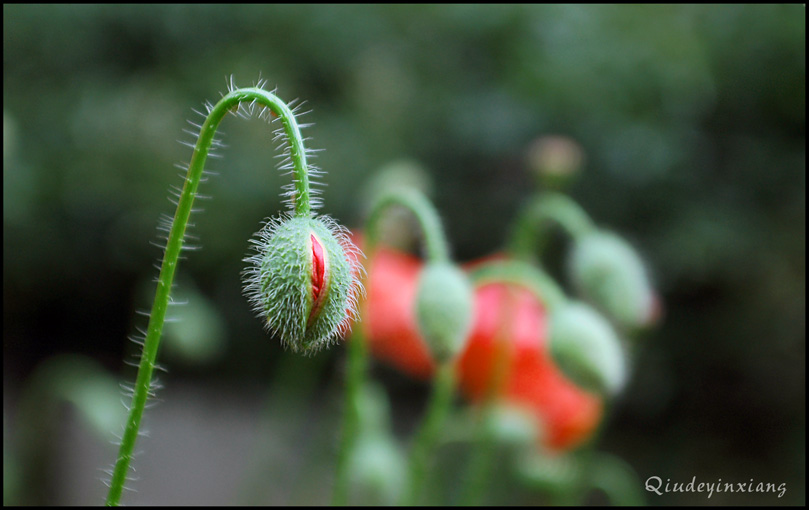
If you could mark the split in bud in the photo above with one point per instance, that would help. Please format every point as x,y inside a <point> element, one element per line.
<point>444,305</point>
<point>303,281</point>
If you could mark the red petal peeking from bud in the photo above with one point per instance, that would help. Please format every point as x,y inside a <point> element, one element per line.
<point>318,267</point>
<point>318,277</point>
<point>303,281</point>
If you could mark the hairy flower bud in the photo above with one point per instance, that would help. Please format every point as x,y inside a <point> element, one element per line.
<point>609,272</point>
<point>586,348</point>
<point>444,304</point>
<point>302,281</point>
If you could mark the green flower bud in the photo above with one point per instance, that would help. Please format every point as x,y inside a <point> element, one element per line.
<point>609,272</point>
<point>303,281</point>
<point>586,348</point>
<point>512,426</point>
<point>554,474</point>
<point>376,465</point>
<point>377,470</point>
<point>444,306</point>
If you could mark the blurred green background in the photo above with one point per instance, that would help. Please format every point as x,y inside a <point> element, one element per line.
<point>692,119</point>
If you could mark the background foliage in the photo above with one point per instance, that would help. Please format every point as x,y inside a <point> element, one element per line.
<point>693,123</point>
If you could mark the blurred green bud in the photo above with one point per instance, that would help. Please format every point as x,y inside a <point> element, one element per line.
<point>444,305</point>
<point>512,426</point>
<point>611,274</point>
<point>377,470</point>
<point>550,472</point>
<point>555,160</point>
<point>84,383</point>
<point>586,348</point>
<point>98,398</point>
<point>198,334</point>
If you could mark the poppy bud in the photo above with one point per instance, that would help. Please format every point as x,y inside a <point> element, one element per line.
<point>512,425</point>
<point>555,160</point>
<point>551,473</point>
<point>444,309</point>
<point>609,272</point>
<point>377,470</point>
<point>586,348</point>
<point>302,281</point>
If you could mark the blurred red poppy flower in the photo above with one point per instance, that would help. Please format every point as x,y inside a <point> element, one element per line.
<point>511,328</point>
<point>389,314</point>
<point>506,354</point>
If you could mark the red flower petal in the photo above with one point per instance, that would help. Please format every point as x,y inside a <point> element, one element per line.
<point>389,317</point>
<point>318,276</point>
<point>511,322</point>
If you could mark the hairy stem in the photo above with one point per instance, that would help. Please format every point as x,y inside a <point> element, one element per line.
<point>435,243</point>
<point>297,153</point>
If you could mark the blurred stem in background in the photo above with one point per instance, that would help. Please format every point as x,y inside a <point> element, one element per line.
<point>292,390</point>
<point>355,376</point>
<point>438,408</point>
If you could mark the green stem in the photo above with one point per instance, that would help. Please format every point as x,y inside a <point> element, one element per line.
<point>521,273</point>
<point>480,462</point>
<point>545,289</point>
<point>357,363</point>
<point>483,448</point>
<point>532,223</point>
<point>174,246</point>
<point>437,411</point>
<point>434,239</point>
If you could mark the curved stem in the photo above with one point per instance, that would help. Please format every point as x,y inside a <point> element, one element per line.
<point>532,223</point>
<point>435,242</point>
<point>297,153</point>
<point>521,273</point>
<point>438,409</point>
